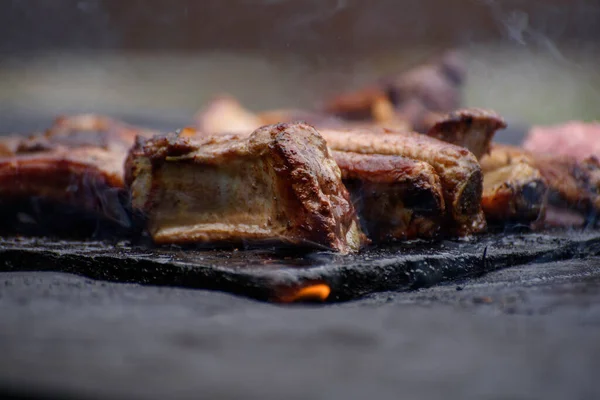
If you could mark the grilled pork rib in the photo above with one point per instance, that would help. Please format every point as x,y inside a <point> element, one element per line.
<point>396,198</point>
<point>77,163</point>
<point>458,169</point>
<point>470,128</point>
<point>278,184</point>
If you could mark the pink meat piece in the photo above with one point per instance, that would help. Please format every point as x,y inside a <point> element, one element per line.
<point>576,139</point>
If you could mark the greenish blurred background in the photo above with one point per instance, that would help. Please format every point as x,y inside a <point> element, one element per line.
<point>532,61</point>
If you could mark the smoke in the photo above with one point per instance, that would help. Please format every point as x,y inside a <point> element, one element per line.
<point>518,28</point>
<point>89,6</point>
<point>49,25</point>
<point>321,14</point>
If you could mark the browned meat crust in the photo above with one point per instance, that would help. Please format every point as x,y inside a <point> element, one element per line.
<point>571,183</point>
<point>471,128</point>
<point>78,162</point>
<point>278,184</point>
<point>458,169</point>
<point>515,193</point>
<point>397,198</point>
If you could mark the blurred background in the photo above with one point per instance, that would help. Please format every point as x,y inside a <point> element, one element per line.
<point>158,61</point>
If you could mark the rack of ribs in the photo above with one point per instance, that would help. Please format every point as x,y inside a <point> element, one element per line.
<point>279,184</point>
<point>77,163</point>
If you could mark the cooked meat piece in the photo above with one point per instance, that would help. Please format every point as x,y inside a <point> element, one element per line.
<point>571,183</point>
<point>361,104</point>
<point>436,84</point>
<point>501,155</point>
<point>470,128</point>
<point>396,198</point>
<point>458,169</point>
<point>324,121</point>
<point>515,193</point>
<point>225,114</point>
<point>399,198</point>
<point>430,88</point>
<point>575,139</point>
<point>278,184</point>
<point>291,115</point>
<point>78,163</point>
<point>577,183</point>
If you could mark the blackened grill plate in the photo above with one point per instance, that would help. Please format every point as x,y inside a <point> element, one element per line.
<point>265,274</point>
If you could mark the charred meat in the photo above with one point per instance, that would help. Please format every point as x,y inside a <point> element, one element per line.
<point>515,193</point>
<point>279,184</point>
<point>458,169</point>
<point>571,183</point>
<point>396,198</point>
<point>77,163</point>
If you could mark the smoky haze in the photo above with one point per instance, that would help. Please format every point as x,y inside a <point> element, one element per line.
<point>323,26</point>
<point>533,61</point>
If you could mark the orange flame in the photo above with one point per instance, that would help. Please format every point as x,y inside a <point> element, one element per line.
<point>313,292</point>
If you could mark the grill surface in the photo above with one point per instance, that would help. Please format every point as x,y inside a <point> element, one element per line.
<point>261,274</point>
